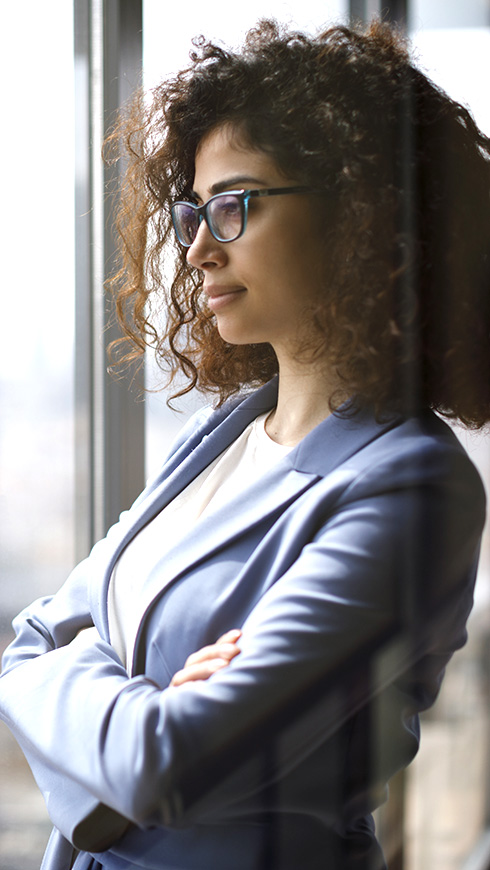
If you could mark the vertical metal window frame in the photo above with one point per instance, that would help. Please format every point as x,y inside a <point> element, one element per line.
<point>109,426</point>
<point>389,10</point>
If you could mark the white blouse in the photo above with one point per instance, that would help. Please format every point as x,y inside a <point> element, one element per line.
<point>252,453</point>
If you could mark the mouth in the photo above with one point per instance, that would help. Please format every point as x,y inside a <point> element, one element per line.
<point>221,296</point>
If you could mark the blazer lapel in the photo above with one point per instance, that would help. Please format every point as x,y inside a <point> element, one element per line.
<point>220,429</point>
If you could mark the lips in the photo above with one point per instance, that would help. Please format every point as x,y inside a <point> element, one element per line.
<point>220,296</point>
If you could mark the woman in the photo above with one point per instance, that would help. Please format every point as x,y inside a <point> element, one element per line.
<point>331,285</point>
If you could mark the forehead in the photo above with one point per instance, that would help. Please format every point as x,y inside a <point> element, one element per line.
<point>224,160</point>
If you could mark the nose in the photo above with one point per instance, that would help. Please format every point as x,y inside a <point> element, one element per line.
<point>205,251</point>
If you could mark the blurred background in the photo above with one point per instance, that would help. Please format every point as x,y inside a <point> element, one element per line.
<point>67,430</point>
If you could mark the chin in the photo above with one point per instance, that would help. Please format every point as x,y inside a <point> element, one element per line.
<point>235,335</point>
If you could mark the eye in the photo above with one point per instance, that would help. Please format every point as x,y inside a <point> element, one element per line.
<point>225,216</point>
<point>227,205</point>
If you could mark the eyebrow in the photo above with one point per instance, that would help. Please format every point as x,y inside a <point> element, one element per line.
<point>233,183</point>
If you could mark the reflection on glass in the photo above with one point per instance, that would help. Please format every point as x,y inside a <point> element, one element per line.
<point>446,787</point>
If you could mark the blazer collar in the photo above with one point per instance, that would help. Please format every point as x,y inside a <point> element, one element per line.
<point>338,438</point>
<point>327,446</point>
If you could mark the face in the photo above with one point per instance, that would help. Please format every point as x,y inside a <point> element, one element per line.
<point>259,286</point>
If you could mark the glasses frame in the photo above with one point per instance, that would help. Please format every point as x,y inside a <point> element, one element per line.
<point>243,197</point>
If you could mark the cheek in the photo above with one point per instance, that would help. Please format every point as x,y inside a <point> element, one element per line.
<point>299,261</point>
<point>284,252</point>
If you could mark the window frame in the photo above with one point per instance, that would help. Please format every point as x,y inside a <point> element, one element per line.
<point>110,419</point>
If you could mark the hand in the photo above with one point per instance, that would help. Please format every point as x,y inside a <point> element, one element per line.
<point>206,661</point>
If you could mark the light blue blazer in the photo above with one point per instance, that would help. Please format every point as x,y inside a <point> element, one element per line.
<point>349,567</point>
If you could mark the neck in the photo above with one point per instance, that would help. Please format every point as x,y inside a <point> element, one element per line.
<point>302,402</point>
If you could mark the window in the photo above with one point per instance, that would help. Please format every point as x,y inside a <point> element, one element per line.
<point>37,467</point>
<point>66,428</point>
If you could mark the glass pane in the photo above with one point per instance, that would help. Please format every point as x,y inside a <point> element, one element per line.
<point>36,357</point>
<point>451,14</point>
<point>447,784</point>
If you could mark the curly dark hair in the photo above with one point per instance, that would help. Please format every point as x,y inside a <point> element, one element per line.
<point>405,313</point>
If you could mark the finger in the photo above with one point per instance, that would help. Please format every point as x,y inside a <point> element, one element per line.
<point>230,636</point>
<point>200,671</point>
<point>218,650</point>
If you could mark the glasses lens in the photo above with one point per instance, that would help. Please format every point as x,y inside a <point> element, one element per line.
<point>225,216</point>
<point>185,222</point>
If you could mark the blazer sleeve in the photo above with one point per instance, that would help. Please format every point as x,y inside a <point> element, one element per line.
<point>161,757</point>
<point>49,624</point>
<point>53,622</point>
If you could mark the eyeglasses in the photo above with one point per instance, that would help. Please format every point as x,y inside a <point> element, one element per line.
<point>225,214</point>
